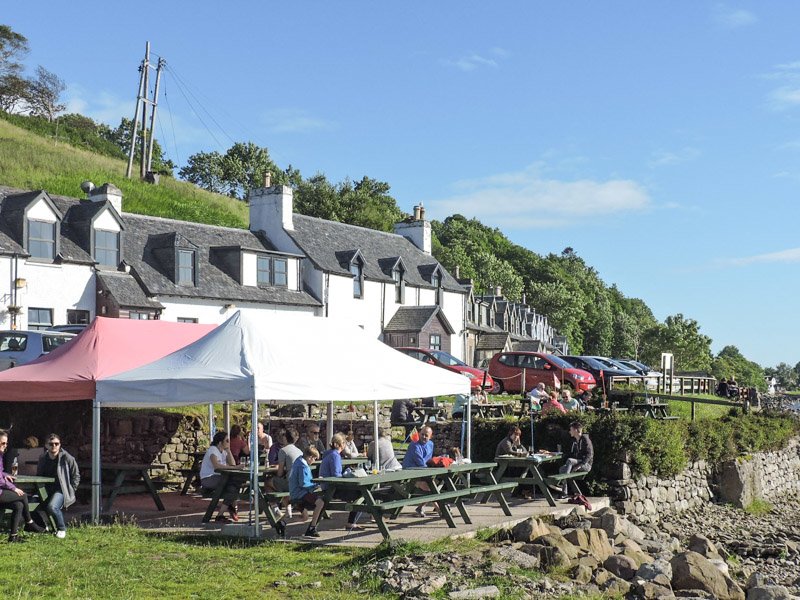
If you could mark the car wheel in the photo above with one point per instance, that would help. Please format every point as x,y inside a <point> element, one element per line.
<point>498,387</point>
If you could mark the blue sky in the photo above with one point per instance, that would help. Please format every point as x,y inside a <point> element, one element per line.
<point>659,140</point>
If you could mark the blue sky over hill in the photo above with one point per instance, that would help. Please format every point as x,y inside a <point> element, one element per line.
<point>660,141</point>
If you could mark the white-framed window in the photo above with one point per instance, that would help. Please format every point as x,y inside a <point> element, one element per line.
<point>106,247</point>
<point>77,317</point>
<point>185,268</point>
<point>399,284</point>
<point>40,318</point>
<point>357,270</point>
<point>187,320</point>
<point>42,239</point>
<point>436,341</point>
<point>272,271</point>
<point>436,281</point>
<point>138,315</point>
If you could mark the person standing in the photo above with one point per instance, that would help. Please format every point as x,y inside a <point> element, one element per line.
<point>63,468</point>
<point>13,497</point>
<point>581,454</point>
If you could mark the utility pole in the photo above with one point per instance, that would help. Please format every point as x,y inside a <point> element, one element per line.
<point>148,136</point>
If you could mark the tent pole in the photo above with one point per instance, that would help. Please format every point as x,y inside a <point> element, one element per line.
<point>226,415</point>
<point>375,434</point>
<point>96,491</point>
<point>254,483</point>
<point>212,429</point>
<point>329,425</point>
<point>468,453</point>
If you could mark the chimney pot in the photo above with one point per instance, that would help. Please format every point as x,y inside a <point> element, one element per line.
<point>416,212</point>
<point>267,179</point>
<point>421,212</point>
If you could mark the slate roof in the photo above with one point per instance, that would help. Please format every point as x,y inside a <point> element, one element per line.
<point>415,318</point>
<point>137,242</point>
<point>493,341</point>
<point>328,244</point>
<point>126,290</point>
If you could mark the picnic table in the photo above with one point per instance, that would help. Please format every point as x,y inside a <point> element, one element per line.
<point>124,478</point>
<point>385,494</point>
<point>32,485</point>
<point>530,471</point>
<point>239,475</point>
<point>192,474</point>
<point>654,410</point>
<point>424,414</point>
<point>605,411</point>
<point>491,410</point>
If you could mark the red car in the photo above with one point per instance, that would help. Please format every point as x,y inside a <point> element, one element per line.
<point>507,370</point>
<point>477,377</point>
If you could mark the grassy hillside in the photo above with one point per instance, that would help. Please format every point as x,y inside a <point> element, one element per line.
<point>29,161</point>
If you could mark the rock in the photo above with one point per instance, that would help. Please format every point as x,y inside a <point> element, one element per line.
<point>621,566</point>
<point>693,571</point>
<point>589,561</point>
<point>582,573</point>
<point>292,574</point>
<point>517,557</point>
<point>578,537</point>
<point>601,576</point>
<point>384,567</point>
<point>650,571</point>
<point>489,591</point>
<point>553,540</point>
<point>702,545</point>
<point>599,547</point>
<point>433,584</point>
<point>768,592</point>
<point>528,530</point>
<point>721,565</point>
<point>649,590</point>
<point>616,587</point>
<point>632,550</point>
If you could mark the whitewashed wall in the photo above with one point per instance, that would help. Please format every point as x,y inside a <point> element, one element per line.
<point>208,311</point>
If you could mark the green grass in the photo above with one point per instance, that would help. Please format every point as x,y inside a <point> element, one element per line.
<point>29,161</point>
<point>702,411</point>
<point>758,507</point>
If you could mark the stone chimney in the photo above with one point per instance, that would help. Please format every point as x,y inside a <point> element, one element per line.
<point>107,192</point>
<point>498,290</point>
<point>416,230</point>
<point>271,207</point>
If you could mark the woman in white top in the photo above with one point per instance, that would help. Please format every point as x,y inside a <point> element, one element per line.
<point>350,449</point>
<point>219,455</point>
<point>264,439</point>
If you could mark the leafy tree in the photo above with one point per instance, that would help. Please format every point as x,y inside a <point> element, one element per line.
<point>552,298</point>
<point>493,272</point>
<point>731,363</point>
<point>44,93</point>
<point>121,138</point>
<point>244,166</point>
<point>14,92</point>
<point>680,336</point>
<point>13,46</point>
<point>204,169</point>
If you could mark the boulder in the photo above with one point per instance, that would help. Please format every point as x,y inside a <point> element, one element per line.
<point>651,571</point>
<point>599,547</point>
<point>516,557</point>
<point>581,574</point>
<point>528,530</point>
<point>702,545</point>
<point>616,587</point>
<point>632,550</point>
<point>578,538</point>
<point>488,591</point>
<point>621,566</point>
<point>601,576</point>
<point>693,571</point>
<point>558,541</point>
<point>769,592</point>
<point>649,590</point>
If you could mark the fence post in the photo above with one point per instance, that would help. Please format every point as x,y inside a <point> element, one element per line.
<point>693,414</point>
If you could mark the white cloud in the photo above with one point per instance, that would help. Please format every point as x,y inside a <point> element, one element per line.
<point>792,255</point>
<point>784,97</point>
<point>474,61</point>
<point>293,120</point>
<point>525,199</point>
<point>667,158</point>
<point>732,18</point>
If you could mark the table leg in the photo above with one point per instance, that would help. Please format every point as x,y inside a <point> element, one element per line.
<point>212,505</point>
<point>118,479</point>
<point>48,518</point>
<point>540,483</point>
<point>152,489</point>
<point>444,509</point>
<point>496,476</point>
<point>451,485</point>
<point>501,500</point>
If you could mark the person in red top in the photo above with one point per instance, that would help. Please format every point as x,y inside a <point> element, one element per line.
<point>553,405</point>
<point>240,445</point>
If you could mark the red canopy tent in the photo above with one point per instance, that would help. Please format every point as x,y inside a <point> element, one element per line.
<point>106,347</point>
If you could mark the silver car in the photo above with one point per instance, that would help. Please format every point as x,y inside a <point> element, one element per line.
<point>19,347</point>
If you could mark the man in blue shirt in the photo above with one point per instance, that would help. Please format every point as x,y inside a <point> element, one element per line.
<point>417,456</point>
<point>331,466</point>
<point>301,490</point>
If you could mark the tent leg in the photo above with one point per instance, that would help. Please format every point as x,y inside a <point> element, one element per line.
<point>96,476</point>
<point>226,415</point>
<point>212,427</point>
<point>376,433</point>
<point>468,451</point>
<point>254,482</point>
<point>329,425</point>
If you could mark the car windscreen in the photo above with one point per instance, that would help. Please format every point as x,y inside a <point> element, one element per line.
<point>447,359</point>
<point>13,342</point>
<point>559,362</point>
<point>51,342</point>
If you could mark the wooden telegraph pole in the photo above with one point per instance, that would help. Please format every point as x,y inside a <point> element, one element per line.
<point>142,100</point>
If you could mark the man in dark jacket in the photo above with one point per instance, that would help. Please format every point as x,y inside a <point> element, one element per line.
<point>580,456</point>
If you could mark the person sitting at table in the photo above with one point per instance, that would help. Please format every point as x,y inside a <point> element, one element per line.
<point>63,468</point>
<point>388,461</point>
<point>585,399</point>
<point>350,449</point>
<point>219,455</point>
<point>264,439</point>
<point>417,456</point>
<point>311,438</point>
<point>240,446</point>
<point>511,445</point>
<point>722,388</point>
<point>331,466</point>
<point>580,457</point>
<point>568,402</point>
<point>553,405</point>
<point>29,455</point>
<point>14,498</point>
<point>278,443</point>
<point>402,414</point>
<point>537,394</point>
<point>286,457</point>
<point>460,405</point>
<point>302,490</point>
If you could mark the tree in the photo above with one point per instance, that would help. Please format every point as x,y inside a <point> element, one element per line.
<point>204,169</point>
<point>14,92</point>
<point>492,271</point>
<point>680,336</point>
<point>13,46</point>
<point>44,93</point>
<point>121,138</point>
<point>731,363</point>
<point>244,166</point>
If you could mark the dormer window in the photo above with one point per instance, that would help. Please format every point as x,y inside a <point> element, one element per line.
<point>399,284</point>
<point>42,239</point>
<point>185,268</point>
<point>272,271</point>
<point>357,271</point>
<point>436,282</point>
<point>106,247</point>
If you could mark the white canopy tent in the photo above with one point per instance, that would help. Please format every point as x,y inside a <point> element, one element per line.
<point>249,359</point>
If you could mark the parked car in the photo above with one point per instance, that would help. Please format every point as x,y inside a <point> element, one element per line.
<point>18,347</point>
<point>445,360</point>
<point>651,375</point>
<point>506,368</point>
<point>76,329</point>
<point>600,367</point>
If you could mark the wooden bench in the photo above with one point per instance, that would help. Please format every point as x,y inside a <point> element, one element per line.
<point>560,478</point>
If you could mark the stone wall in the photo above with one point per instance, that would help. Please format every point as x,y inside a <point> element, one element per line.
<point>763,475</point>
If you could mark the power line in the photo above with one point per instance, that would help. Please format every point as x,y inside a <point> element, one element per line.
<point>189,102</point>
<point>172,125</point>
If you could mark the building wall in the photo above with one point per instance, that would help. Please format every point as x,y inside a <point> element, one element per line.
<point>364,312</point>
<point>208,311</point>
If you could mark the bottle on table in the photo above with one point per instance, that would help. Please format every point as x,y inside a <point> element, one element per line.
<point>14,467</point>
